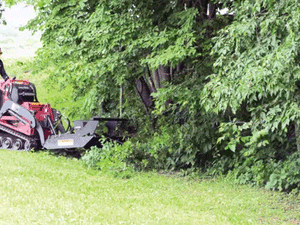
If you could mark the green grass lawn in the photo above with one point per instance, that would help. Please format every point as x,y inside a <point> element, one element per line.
<point>38,188</point>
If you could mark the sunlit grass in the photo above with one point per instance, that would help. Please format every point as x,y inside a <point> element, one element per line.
<point>38,188</point>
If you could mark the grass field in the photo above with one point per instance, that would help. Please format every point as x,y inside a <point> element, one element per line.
<point>39,188</point>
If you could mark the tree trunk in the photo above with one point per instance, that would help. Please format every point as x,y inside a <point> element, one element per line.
<point>297,135</point>
<point>164,74</point>
<point>212,11</point>
<point>145,94</point>
<point>151,81</point>
<point>156,79</point>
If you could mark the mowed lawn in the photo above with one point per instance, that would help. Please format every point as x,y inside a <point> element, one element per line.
<point>38,188</point>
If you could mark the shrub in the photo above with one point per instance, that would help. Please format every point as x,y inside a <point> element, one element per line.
<point>286,174</point>
<point>110,159</point>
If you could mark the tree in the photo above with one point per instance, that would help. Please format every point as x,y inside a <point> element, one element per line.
<point>255,89</point>
<point>157,51</point>
<point>199,83</point>
<point>136,43</point>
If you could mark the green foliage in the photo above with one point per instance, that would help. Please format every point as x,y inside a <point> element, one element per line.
<point>12,2</point>
<point>231,104</point>
<point>91,48</point>
<point>178,143</point>
<point>255,89</point>
<point>155,153</point>
<point>92,158</point>
<point>286,175</point>
<point>256,72</point>
<point>110,159</point>
<point>261,169</point>
<point>95,47</point>
<point>251,170</point>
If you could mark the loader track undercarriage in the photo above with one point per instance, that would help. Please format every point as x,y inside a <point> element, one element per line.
<point>10,139</point>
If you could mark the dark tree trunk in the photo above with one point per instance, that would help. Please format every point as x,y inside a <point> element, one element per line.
<point>145,94</point>
<point>153,80</point>
<point>156,79</point>
<point>164,74</point>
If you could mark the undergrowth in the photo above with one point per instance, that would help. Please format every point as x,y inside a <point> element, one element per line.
<point>126,160</point>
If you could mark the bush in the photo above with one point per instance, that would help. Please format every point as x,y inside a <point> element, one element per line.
<point>286,174</point>
<point>110,159</point>
<point>265,168</point>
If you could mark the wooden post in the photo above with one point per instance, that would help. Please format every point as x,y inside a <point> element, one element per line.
<point>121,100</point>
<point>297,134</point>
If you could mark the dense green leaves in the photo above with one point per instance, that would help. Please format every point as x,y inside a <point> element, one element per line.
<point>99,45</point>
<point>258,66</point>
<point>95,47</point>
<point>205,90</point>
<point>255,87</point>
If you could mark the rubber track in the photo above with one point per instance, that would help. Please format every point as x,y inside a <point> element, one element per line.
<point>14,133</point>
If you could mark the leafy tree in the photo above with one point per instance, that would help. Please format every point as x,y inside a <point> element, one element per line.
<point>257,71</point>
<point>197,83</point>
<point>255,85</point>
<point>134,42</point>
<point>156,51</point>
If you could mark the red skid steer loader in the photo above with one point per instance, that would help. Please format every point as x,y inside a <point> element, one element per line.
<point>27,124</point>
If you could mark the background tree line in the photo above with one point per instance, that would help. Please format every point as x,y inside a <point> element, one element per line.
<point>210,91</point>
